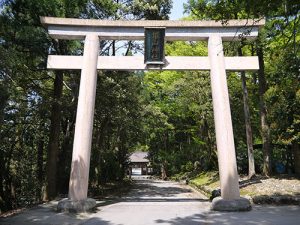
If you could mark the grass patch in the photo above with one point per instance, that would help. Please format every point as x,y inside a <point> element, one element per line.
<point>206,182</point>
<point>210,179</point>
<point>244,192</point>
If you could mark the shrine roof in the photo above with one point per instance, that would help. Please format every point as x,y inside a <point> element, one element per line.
<point>139,157</point>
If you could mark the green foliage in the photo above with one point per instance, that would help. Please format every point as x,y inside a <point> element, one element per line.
<point>132,9</point>
<point>224,10</point>
<point>189,166</point>
<point>27,98</point>
<point>178,115</point>
<point>210,179</point>
<point>116,125</point>
<point>279,42</point>
<point>153,10</point>
<point>180,48</point>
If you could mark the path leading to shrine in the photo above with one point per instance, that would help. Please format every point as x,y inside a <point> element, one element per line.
<point>157,202</point>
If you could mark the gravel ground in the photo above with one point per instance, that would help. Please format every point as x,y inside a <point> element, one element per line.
<point>279,190</point>
<point>273,186</point>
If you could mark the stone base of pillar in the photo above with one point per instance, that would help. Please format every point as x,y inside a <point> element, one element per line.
<point>240,204</point>
<point>67,205</point>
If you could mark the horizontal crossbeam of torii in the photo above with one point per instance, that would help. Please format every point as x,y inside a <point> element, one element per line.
<point>94,30</point>
<point>134,63</point>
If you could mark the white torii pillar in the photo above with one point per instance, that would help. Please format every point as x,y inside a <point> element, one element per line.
<point>222,117</point>
<point>230,194</point>
<point>79,177</point>
<point>214,32</point>
<point>78,186</point>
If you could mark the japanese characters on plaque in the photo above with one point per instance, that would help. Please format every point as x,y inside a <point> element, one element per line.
<point>154,46</point>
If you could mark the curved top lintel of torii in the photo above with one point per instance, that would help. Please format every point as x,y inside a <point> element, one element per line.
<point>71,28</point>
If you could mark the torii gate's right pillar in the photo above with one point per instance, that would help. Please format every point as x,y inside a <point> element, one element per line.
<point>230,199</point>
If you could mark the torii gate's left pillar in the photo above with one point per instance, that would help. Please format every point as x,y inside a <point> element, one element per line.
<point>79,178</point>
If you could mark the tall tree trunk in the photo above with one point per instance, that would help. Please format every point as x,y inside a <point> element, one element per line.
<point>3,100</point>
<point>65,156</point>
<point>164,170</point>
<point>53,146</point>
<point>40,171</point>
<point>296,153</point>
<point>2,172</point>
<point>251,165</point>
<point>40,152</point>
<point>100,145</point>
<point>265,129</point>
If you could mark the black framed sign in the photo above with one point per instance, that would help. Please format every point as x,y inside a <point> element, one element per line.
<point>154,45</point>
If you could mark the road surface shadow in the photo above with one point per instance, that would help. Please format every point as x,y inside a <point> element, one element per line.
<point>96,221</point>
<point>146,188</point>
<point>196,219</point>
<point>259,215</point>
<point>165,200</point>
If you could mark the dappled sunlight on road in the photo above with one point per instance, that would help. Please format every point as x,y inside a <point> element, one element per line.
<point>157,202</point>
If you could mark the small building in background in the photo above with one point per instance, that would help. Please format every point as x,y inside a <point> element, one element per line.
<point>139,164</point>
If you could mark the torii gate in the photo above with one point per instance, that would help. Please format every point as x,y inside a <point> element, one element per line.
<point>94,30</point>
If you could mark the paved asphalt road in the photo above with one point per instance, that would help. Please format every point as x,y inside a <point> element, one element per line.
<point>158,202</point>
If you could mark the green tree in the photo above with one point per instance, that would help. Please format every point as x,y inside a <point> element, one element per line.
<point>178,119</point>
<point>280,17</point>
<point>26,42</point>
